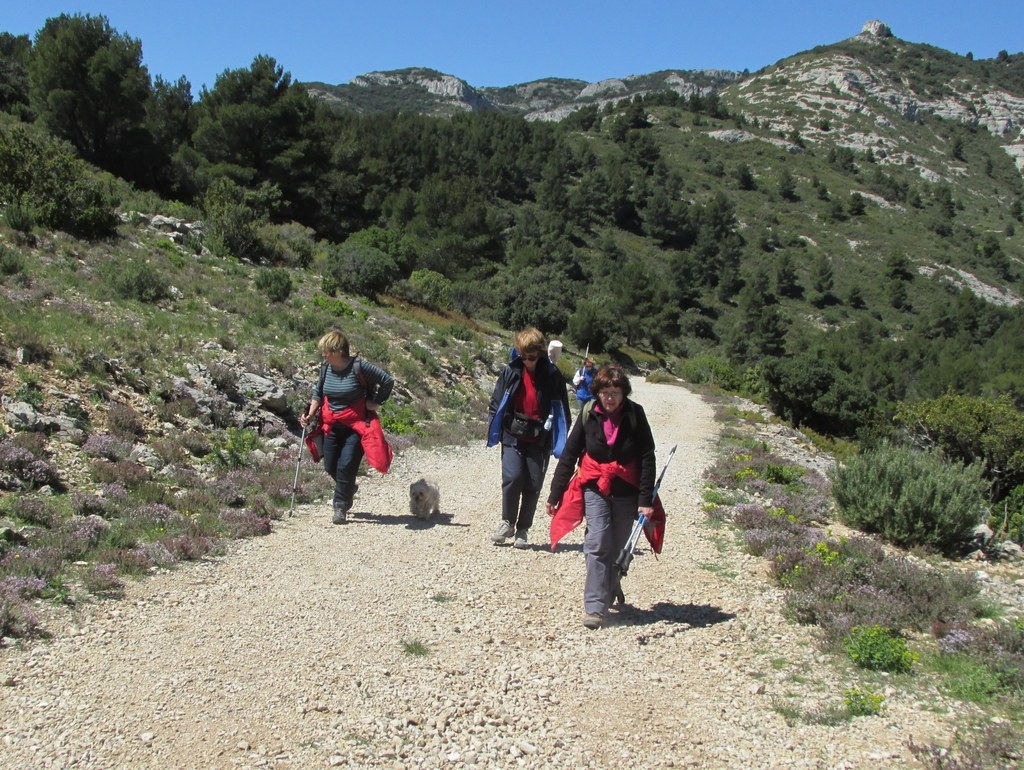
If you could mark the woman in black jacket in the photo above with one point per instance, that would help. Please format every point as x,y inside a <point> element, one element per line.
<point>613,443</point>
<point>524,420</point>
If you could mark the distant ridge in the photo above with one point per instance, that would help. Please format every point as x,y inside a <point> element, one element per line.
<point>429,92</point>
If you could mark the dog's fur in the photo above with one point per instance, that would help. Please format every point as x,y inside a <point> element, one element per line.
<point>424,499</point>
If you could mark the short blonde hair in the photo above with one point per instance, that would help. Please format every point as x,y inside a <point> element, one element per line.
<point>333,342</point>
<point>531,340</point>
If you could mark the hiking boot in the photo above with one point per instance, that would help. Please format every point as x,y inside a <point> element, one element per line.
<point>503,531</point>
<point>520,541</point>
<point>593,620</point>
<point>340,513</point>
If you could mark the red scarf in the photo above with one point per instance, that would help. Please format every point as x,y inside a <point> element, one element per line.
<point>570,510</point>
<point>525,398</point>
<point>371,435</point>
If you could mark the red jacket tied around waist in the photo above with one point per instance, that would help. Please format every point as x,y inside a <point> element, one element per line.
<point>367,424</point>
<point>571,511</point>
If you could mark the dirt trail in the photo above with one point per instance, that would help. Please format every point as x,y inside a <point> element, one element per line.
<point>296,650</point>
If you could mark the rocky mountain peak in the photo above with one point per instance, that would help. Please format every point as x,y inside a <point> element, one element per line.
<point>876,28</point>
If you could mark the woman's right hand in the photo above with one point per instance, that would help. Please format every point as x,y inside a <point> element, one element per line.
<point>550,508</point>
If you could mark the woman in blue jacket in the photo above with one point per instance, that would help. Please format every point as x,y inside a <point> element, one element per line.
<point>529,417</point>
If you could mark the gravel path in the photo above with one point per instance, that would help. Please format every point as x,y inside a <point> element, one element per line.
<point>294,650</point>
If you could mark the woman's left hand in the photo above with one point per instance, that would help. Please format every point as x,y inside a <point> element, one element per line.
<point>371,406</point>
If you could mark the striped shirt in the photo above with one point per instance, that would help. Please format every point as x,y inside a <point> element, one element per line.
<point>342,388</point>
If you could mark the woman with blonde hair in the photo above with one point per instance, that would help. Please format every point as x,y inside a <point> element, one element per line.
<point>345,398</point>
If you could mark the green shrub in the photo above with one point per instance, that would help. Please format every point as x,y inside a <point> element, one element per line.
<point>783,473</point>
<point>1007,519</point>
<point>136,280</point>
<point>44,175</point>
<point>862,703</point>
<point>879,649</point>
<point>235,448</point>
<point>20,216</point>
<point>711,370</point>
<point>971,429</point>
<point>55,186</point>
<point>233,217</point>
<point>401,249</point>
<point>336,307</point>
<point>433,287</point>
<point>461,332</point>
<point>11,261</point>
<point>308,323</point>
<point>400,420</point>
<point>290,245</point>
<point>810,389</point>
<point>909,497</point>
<point>30,393</point>
<point>275,283</point>
<point>356,268</point>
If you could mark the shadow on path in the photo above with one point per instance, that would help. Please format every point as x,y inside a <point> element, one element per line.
<point>692,615</point>
<point>410,521</point>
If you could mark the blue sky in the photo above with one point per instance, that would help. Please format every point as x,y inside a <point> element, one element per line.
<point>489,43</point>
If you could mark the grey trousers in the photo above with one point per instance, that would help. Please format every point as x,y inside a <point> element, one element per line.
<point>522,479</point>
<point>609,521</point>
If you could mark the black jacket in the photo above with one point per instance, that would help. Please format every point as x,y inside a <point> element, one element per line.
<point>635,442</point>
<point>550,387</point>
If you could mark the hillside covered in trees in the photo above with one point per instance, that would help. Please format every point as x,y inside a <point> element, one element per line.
<point>836,261</point>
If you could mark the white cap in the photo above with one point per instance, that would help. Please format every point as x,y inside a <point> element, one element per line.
<point>554,349</point>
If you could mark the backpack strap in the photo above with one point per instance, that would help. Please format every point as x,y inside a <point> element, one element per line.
<point>587,409</point>
<point>323,376</point>
<point>357,370</point>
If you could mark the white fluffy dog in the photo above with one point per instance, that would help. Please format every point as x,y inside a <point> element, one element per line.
<point>424,499</point>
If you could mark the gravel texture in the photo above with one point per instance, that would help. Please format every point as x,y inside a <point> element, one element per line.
<point>297,650</point>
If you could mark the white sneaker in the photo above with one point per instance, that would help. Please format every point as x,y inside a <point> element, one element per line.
<point>503,531</point>
<point>520,541</point>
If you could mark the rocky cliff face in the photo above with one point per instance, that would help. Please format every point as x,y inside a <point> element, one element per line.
<point>448,88</point>
<point>837,97</point>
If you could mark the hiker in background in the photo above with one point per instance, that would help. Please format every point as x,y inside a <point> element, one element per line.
<point>613,443</point>
<point>529,412</point>
<point>582,381</point>
<point>345,400</point>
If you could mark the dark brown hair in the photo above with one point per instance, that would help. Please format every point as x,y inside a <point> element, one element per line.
<point>611,376</point>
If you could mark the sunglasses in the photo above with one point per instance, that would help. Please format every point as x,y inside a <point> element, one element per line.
<point>530,357</point>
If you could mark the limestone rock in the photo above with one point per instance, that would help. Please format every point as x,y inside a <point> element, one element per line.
<point>876,28</point>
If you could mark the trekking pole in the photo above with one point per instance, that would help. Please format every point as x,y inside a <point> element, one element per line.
<point>626,556</point>
<point>298,459</point>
